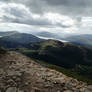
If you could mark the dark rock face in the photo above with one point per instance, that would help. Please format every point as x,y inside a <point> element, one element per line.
<point>20,74</point>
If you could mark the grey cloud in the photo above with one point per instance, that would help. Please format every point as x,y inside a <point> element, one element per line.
<point>34,5</point>
<point>18,13</point>
<point>75,9</point>
<point>68,2</point>
<point>69,7</point>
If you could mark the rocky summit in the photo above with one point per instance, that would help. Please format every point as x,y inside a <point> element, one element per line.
<point>19,73</point>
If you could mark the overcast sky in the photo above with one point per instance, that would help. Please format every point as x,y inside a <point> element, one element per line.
<point>58,16</point>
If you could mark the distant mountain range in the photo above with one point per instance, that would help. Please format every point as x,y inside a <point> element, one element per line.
<point>51,35</point>
<point>47,34</point>
<point>83,39</point>
<point>16,39</point>
<point>24,38</point>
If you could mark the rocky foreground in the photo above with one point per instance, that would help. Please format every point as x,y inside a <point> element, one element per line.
<point>20,74</point>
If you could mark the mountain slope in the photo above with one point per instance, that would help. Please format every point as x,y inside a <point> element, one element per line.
<point>18,40</point>
<point>21,74</point>
<point>62,54</point>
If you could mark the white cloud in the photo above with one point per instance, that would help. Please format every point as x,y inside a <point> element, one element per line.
<point>19,17</point>
<point>18,27</point>
<point>84,25</point>
<point>19,13</point>
<point>46,15</point>
<point>59,19</point>
<point>11,12</point>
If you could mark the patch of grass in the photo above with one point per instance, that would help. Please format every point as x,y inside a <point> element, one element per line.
<point>23,50</point>
<point>28,51</point>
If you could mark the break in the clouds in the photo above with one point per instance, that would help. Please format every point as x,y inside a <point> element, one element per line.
<point>50,15</point>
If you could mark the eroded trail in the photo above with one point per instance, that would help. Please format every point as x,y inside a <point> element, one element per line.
<point>18,73</point>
